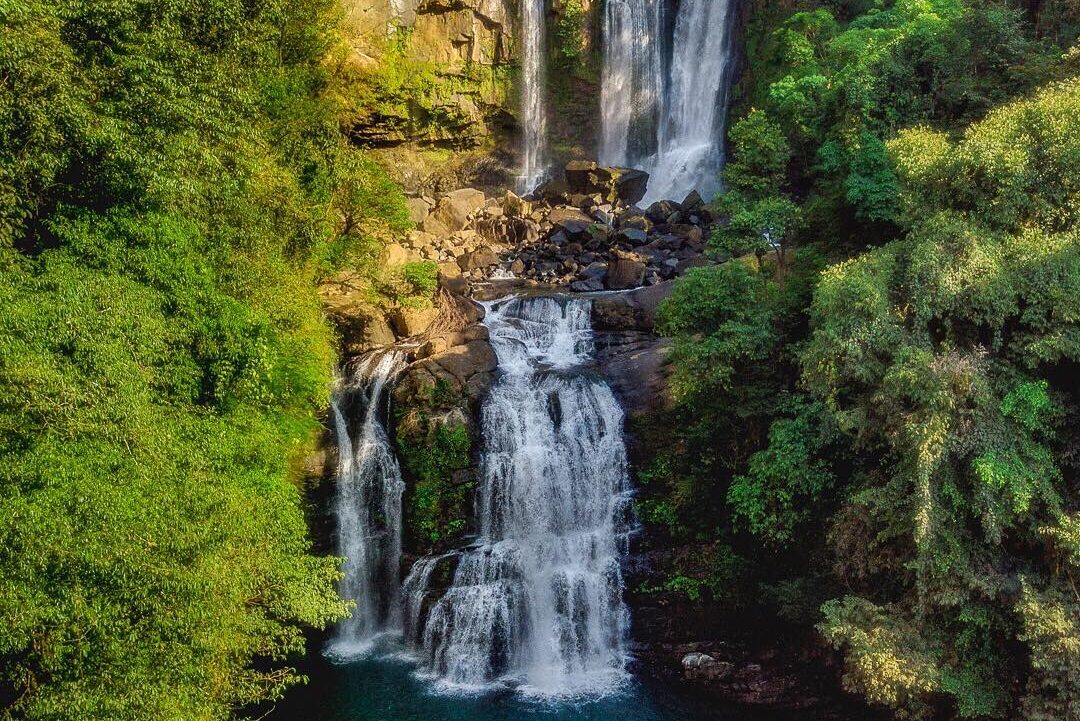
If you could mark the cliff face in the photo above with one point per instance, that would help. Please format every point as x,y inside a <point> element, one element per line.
<point>435,86</point>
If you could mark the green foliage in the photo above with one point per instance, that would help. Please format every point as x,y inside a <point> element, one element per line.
<point>435,453</point>
<point>895,371</point>
<point>172,182</point>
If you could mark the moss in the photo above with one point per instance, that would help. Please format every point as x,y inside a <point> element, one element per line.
<point>436,455</point>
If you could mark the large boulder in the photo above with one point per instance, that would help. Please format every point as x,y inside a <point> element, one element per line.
<point>409,322</point>
<point>455,208</point>
<point>624,185</point>
<point>418,210</point>
<point>574,223</point>
<point>625,270</point>
<point>480,258</point>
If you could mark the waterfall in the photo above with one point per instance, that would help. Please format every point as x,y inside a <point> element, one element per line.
<point>537,601</point>
<point>687,150</point>
<point>533,106</point>
<point>367,505</point>
<point>632,82</point>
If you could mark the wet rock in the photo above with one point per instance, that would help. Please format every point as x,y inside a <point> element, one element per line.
<point>587,286</point>
<point>692,203</point>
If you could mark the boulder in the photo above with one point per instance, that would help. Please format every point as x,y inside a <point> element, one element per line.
<point>467,360</point>
<point>451,279</point>
<point>418,210</point>
<point>455,208</point>
<point>395,255</point>
<point>418,240</point>
<point>571,221</point>
<point>624,185</point>
<point>692,203</point>
<point>587,286</point>
<point>516,207</point>
<point>633,236</point>
<point>624,271</point>
<point>478,259</point>
<point>408,322</point>
<point>634,311</point>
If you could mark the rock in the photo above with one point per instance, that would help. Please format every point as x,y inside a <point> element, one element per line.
<point>624,272</point>
<point>634,236</point>
<point>553,191</point>
<point>418,239</point>
<point>630,186</point>
<point>517,267</point>
<point>573,222</point>
<point>395,255</point>
<point>418,210</point>
<point>579,175</point>
<point>362,326</point>
<point>703,667</point>
<point>478,259</point>
<point>612,184</point>
<point>692,203</point>
<point>467,360</point>
<point>661,210</point>
<point>435,227</point>
<point>587,286</point>
<point>516,207</point>
<point>451,279</point>
<point>635,310</point>
<point>408,322</point>
<point>593,270</point>
<point>454,208</point>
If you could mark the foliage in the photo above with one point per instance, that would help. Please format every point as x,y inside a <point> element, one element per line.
<point>434,453</point>
<point>172,182</point>
<point>892,368</point>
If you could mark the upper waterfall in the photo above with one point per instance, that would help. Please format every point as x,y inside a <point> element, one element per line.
<point>537,602</point>
<point>683,150</point>
<point>367,506</point>
<point>533,90</point>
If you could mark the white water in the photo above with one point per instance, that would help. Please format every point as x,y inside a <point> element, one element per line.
<point>537,602</point>
<point>687,151</point>
<point>632,82</point>
<point>367,506</point>
<point>533,106</point>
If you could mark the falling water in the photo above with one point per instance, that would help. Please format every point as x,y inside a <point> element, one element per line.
<point>367,506</point>
<point>537,602</point>
<point>533,109</point>
<point>632,85</point>
<point>687,150</point>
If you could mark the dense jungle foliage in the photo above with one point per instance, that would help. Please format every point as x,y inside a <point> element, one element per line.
<point>877,401</point>
<point>173,181</point>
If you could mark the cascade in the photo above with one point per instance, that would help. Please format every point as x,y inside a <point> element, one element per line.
<point>533,107</point>
<point>537,600</point>
<point>367,505</point>
<point>687,150</point>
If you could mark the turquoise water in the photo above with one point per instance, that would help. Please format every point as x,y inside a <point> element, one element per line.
<point>389,690</point>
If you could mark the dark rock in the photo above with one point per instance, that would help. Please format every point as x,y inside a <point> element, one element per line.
<point>624,271</point>
<point>692,203</point>
<point>661,210</point>
<point>587,286</point>
<point>571,221</point>
<point>635,310</point>
<point>634,236</point>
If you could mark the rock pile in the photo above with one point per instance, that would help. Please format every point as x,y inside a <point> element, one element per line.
<point>585,232</point>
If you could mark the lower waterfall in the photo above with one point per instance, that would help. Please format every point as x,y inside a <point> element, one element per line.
<point>537,601</point>
<point>367,505</point>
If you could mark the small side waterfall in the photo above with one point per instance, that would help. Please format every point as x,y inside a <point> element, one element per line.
<point>533,91</point>
<point>367,505</point>
<point>686,148</point>
<point>537,602</point>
